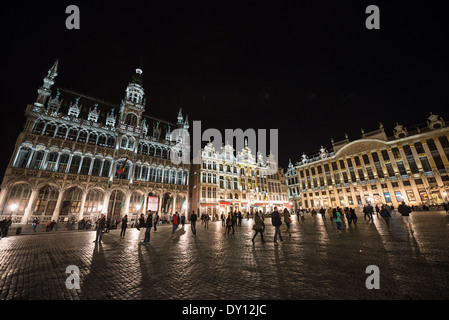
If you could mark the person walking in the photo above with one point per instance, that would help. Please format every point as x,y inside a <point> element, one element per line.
<point>175,222</point>
<point>353,216</point>
<point>377,210</point>
<point>323,213</point>
<point>148,225</point>
<point>385,214</point>
<point>141,227</point>
<point>287,220</point>
<point>313,214</point>
<point>276,222</point>
<point>223,220</point>
<point>183,220</point>
<point>338,220</point>
<point>405,211</point>
<point>206,221</point>
<point>330,212</point>
<point>124,226</point>
<point>261,215</point>
<point>348,216</point>
<point>34,224</point>
<point>101,223</point>
<point>240,217</point>
<point>193,218</point>
<point>47,225</point>
<point>156,221</point>
<point>229,225</point>
<point>258,227</point>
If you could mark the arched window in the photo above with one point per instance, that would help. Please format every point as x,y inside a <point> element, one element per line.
<point>92,138</point>
<point>50,129</point>
<point>115,204</point>
<point>37,160</point>
<point>39,126</point>
<point>144,148</point>
<point>71,201</point>
<point>144,175</point>
<point>82,137</point>
<point>96,167</point>
<point>46,200</point>
<point>61,132</point>
<point>75,165</point>
<point>102,140</point>
<point>73,133</point>
<point>17,199</point>
<point>131,143</point>
<point>85,166</point>
<point>106,168</point>
<point>111,141</point>
<point>135,203</point>
<point>52,158</point>
<point>124,142</point>
<point>137,172</point>
<point>94,201</point>
<point>131,119</point>
<point>63,162</point>
<point>23,157</point>
<point>151,150</point>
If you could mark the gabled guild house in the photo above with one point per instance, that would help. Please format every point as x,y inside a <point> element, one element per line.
<point>409,163</point>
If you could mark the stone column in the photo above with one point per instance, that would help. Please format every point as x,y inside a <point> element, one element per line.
<point>55,215</point>
<point>174,203</point>
<point>83,201</point>
<point>125,209</point>
<point>29,208</point>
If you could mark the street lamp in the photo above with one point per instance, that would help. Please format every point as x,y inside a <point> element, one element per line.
<point>13,208</point>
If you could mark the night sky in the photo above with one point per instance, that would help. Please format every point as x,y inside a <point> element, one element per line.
<point>310,69</point>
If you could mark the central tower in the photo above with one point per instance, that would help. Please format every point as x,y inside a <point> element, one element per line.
<point>133,105</point>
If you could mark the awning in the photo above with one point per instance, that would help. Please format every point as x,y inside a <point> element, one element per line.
<point>209,204</point>
<point>227,203</point>
<point>287,205</point>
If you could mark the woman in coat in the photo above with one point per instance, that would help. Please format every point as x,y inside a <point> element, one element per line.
<point>258,226</point>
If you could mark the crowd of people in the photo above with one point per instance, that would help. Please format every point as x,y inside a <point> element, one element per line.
<point>145,223</point>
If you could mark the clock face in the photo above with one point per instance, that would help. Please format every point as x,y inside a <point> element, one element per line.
<point>323,155</point>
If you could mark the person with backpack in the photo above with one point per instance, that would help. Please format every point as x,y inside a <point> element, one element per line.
<point>385,214</point>
<point>287,220</point>
<point>337,219</point>
<point>276,222</point>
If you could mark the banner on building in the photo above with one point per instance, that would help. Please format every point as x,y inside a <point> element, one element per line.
<point>153,203</point>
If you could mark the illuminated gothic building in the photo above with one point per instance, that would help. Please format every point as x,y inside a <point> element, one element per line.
<point>78,156</point>
<point>410,164</point>
<point>225,182</point>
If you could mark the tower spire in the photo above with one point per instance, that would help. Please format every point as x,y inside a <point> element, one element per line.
<point>180,117</point>
<point>45,90</point>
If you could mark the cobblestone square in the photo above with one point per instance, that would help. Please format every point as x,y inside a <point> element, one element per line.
<point>316,262</point>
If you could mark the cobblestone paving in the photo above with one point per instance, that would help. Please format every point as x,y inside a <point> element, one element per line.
<point>316,262</point>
